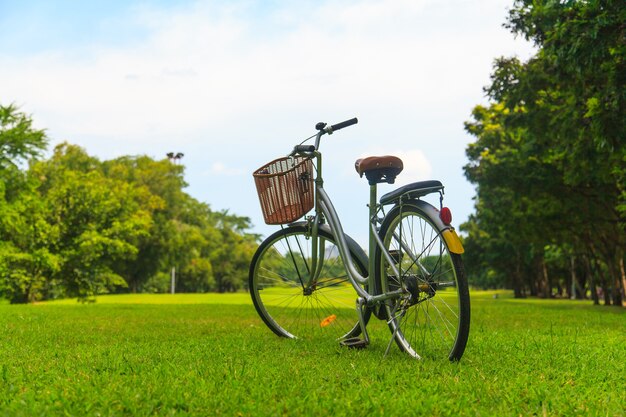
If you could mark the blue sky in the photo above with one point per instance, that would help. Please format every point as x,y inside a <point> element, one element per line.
<point>235,84</point>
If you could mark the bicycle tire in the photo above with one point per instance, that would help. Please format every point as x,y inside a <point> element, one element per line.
<point>279,297</point>
<point>433,319</point>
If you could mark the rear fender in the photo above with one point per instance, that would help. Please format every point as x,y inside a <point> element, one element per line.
<point>447,232</point>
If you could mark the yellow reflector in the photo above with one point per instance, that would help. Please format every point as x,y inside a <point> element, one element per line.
<point>328,320</point>
<point>453,241</point>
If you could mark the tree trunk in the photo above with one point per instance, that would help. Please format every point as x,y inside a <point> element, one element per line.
<point>518,286</point>
<point>571,289</point>
<point>622,270</point>
<point>533,284</point>
<point>592,281</point>
<point>616,281</point>
<point>601,270</point>
<point>547,288</point>
<point>542,277</point>
<point>606,291</point>
<point>604,285</point>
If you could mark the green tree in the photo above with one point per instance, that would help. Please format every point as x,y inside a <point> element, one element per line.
<point>549,156</point>
<point>19,141</point>
<point>209,250</point>
<point>99,220</point>
<point>232,253</point>
<point>162,183</point>
<point>73,225</point>
<point>25,262</point>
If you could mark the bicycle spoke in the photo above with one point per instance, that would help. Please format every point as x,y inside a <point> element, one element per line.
<point>303,306</point>
<point>431,312</point>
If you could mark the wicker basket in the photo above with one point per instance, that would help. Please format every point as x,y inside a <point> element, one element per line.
<point>285,188</point>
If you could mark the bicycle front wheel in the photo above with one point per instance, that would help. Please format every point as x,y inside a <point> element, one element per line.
<point>432,319</point>
<point>297,299</point>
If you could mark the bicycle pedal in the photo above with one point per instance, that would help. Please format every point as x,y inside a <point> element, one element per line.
<point>354,343</point>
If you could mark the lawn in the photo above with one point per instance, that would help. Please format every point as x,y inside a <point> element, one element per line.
<point>212,355</point>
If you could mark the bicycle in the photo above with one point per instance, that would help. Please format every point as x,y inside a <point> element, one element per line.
<point>303,277</point>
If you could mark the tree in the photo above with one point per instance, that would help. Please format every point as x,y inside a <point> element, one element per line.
<point>550,146</point>
<point>232,254</point>
<point>25,262</point>
<point>19,141</point>
<point>73,225</point>
<point>99,220</point>
<point>162,183</point>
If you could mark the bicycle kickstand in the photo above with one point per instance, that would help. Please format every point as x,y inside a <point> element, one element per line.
<point>357,342</point>
<point>395,330</point>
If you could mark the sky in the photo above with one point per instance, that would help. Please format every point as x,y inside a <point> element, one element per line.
<point>235,84</point>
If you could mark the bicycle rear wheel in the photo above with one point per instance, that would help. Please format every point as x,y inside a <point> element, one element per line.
<point>433,319</point>
<point>279,272</point>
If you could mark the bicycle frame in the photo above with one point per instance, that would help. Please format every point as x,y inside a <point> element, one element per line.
<point>412,278</point>
<point>325,211</point>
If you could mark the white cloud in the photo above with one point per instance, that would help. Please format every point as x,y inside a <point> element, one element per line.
<point>232,87</point>
<point>207,66</point>
<point>220,168</point>
<point>416,166</point>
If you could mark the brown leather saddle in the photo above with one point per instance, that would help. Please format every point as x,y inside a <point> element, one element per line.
<point>378,169</point>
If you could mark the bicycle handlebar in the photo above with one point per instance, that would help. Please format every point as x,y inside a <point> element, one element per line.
<point>323,129</point>
<point>341,125</point>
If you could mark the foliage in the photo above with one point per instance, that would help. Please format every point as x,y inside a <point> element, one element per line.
<point>549,156</point>
<point>25,261</point>
<point>231,259</point>
<point>27,264</point>
<point>210,354</point>
<point>19,141</point>
<point>73,225</point>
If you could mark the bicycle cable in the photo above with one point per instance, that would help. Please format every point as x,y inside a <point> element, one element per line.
<point>307,139</point>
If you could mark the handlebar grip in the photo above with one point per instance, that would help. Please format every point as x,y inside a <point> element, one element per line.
<point>303,148</point>
<point>344,124</point>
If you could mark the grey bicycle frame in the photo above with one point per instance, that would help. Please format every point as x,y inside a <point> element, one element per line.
<point>324,207</point>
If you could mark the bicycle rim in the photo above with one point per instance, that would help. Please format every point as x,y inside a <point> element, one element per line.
<point>432,320</point>
<point>278,275</point>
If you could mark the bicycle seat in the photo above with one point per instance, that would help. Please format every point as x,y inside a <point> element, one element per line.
<point>379,169</point>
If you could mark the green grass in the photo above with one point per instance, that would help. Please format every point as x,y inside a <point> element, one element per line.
<point>213,298</point>
<point>212,355</point>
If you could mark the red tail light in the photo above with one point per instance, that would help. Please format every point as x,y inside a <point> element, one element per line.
<point>446,216</point>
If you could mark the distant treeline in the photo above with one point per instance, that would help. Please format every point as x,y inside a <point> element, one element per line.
<point>75,226</point>
<point>549,161</point>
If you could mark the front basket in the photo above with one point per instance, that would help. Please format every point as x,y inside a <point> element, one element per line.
<point>285,189</point>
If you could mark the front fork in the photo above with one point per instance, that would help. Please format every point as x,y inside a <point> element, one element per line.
<point>317,258</point>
